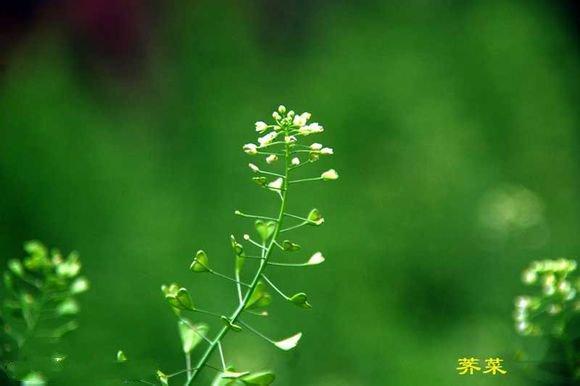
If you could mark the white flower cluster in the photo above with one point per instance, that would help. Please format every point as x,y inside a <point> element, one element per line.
<point>535,315</point>
<point>296,123</point>
<point>287,129</point>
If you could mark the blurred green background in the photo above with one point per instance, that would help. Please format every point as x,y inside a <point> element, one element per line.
<point>456,133</point>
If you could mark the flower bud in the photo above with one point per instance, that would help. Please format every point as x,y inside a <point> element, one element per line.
<point>250,148</point>
<point>261,126</point>
<point>329,175</point>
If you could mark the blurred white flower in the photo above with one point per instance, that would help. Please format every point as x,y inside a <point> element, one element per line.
<point>276,184</point>
<point>327,151</point>
<point>300,120</point>
<point>261,126</point>
<point>268,138</point>
<point>271,159</point>
<point>295,161</point>
<point>250,148</point>
<point>312,128</point>
<point>529,276</point>
<point>254,168</point>
<point>316,146</point>
<point>329,175</point>
<point>511,209</point>
<point>522,302</point>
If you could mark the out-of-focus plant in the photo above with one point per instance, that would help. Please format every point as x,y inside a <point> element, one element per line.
<point>551,312</point>
<point>279,143</point>
<point>38,307</point>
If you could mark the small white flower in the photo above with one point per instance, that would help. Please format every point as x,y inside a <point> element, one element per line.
<point>313,128</point>
<point>295,161</point>
<point>271,159</point>
<point>522,302</point>
<point>246,237</point>
<point>267,139</point>
<point>276,184</point>
<point>316,146</point>
<point>523,327</point>
<point>549,289</point>
<point>327,151</point>
<point>276,116</point>
<point>529,276</point>
<point>329,175</point>
<point>282,109</point>
<point>550,279</point>
<point>250,148</point>
<point>316,128</point>
<point>300,120</point>
<point>254,168</point>
<point>316,259</point>
<point>261,126</point>
<point>289,139</point>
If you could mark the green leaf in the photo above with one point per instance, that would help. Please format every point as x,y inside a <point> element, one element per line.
<point>8,281</point>
<point>289,246</point>
<point>35,248</point>
<point>16,267</point>
<point>200,262</point>
<point>260,297</point>
<point>264,378</point>
<point>191,334</point>
<point>238,252</point>
<point>232,378</point>
<point>228,374</point>
<point>68,307</point>
<point>259,180</point>
<point>301,300</point>
<point>222,380</point>
<point>65,329</point>
<point>121,357</point>
<point>178,297</point>
<point>314,217</point>
<point>163,378</point>
<point>236,247</point>
<point>265,228</point>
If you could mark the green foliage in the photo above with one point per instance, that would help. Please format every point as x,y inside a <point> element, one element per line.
<point>552,310</point>
<point>38,306</point>
<point>279,140</point>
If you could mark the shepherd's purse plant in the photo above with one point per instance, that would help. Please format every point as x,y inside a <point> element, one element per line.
<point>552,312</point>
<point>38,306</point>
<point>280,148</point>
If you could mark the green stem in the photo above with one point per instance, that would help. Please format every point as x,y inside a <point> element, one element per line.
<point>263,264</point>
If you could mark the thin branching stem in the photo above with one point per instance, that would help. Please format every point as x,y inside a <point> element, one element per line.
<point>305,180</point>
<point>256,216</point>
<point>295,226</point>
<point>275,288</point>
<point>258,274</point>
